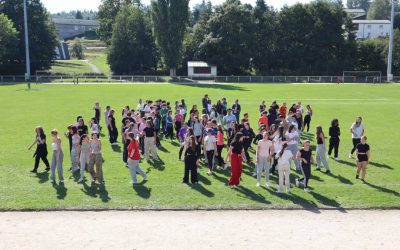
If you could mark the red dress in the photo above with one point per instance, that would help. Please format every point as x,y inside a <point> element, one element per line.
<point>236,163</point>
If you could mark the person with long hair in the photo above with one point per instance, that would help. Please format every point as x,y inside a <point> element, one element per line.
<point>236,155</point>
<point>134,158</point>
<point>57,158</point>
<point>191,161</point>
<point>75,151</point>
<point>321,150</point>
<point>292,137</point>
<point>220,146</point>
<point>178,121</point>
<point>169,125</point>
<point>264,151</point>
<point>183,109</point>
<point>277,141</point>
<point>94,126</point>
<point>182,135</point>
<point>334,140</point>
<point>284,156</point>
<point>96,159</point>
<point>150,141</point>
<point>210,148</point>
<point>363,157</point>
<point>41,149</point>
<point>97,112</point>
<point>84,157</point>
<point>357,131</point>
<point>198,133</point>
<point>112,128</point>
<point>307,118</point>
<point>305,157</point>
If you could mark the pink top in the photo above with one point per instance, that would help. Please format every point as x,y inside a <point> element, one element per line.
<point>178,117</point>
<point>220,138</point>
<point>142,126</point>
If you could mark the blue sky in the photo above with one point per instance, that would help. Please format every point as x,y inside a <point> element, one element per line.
<point>60,5</point>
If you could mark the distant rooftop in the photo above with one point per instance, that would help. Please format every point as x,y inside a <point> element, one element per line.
<point>83,22</point>
<point>199,64</point>
<point>355,10</point>
<point>372,21</point>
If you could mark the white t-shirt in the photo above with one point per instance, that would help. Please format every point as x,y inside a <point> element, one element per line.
<point>293,136</point>
<point>285,158</point>
<point>95,128</point>
<point>140,106</point>
<point>147,110</point>
<point>209,142</point>
<point>209,106</point>
<point>277,144</point>
<point>357,130</point>
<point>263,148</point>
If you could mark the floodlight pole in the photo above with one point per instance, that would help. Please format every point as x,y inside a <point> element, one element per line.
<point>27,59</point>
<point>390,53</point>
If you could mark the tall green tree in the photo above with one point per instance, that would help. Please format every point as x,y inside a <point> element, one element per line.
<point>78,15</point>
<point>132,49</point>
<point>229,42</point>
<point>8,38</point>
<point>42,36</point>
<point>379,9</point>
<point>170,18</point>
<point>358,4</point>
<point>108,10</point>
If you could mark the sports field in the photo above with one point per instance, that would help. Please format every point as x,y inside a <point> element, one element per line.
<point>56,106</point>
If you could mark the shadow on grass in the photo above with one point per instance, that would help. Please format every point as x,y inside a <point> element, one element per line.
<point>204,180</point>
<point>95,190</point>
<point>348,163</point>
<point>341,178</point>
<point>252,195</point>
<point>159,165</point>
<point>116,148</point>
<point>382,189</point>
<point>43,177</point>
<point>76,175</point>
<point>213,86</point>
<point>380,165</point>
<point>307,136</point>
<point>163,149</point>
<point>142,191</point>
<point>199,188</point>
<point>328,201</point>
<point>61,190</point>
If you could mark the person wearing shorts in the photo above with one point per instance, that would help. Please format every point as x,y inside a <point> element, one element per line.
<point>363,157</point>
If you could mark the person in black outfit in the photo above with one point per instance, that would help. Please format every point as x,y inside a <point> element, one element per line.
<point>82,128</point>
<point>248,134</point>
<point>363,156</point>
<point>305,157</point>
<point>334,140</point>
<point>112,128</point>
<point>41,149</point>
<point>236,109</point>
<point>191,160</point>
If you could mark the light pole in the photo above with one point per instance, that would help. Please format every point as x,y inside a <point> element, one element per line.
<point>390,53</point>
<point>27,60</point>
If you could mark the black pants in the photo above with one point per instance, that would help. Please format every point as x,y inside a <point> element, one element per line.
<point>178,126</point>
<point>198,146</point>
<point>274,163</point>
<point>219,157</point>
<point>125,152</point>
<point>181,151</point>
<point>307,121</point>
<point>43,156</point>
<point>113,134</point>
<point>210,159</point>
<point>158,144</point>
<point>307,174</point>
<point>356,141</point>
<point>190,165</point>
<point>141,144</point>
<point>246,146</point>
<point>334,144</point>
<point>170,133</point>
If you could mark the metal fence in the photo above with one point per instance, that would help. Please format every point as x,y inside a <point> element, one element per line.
<point>12,79</point>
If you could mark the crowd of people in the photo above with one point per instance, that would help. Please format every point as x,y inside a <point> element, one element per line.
<point>205,134</point>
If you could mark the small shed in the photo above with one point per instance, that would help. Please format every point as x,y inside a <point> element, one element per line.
<point>201,70</point>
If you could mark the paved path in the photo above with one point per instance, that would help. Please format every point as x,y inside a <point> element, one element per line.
<point>270,229</point>
<point>94,67</point>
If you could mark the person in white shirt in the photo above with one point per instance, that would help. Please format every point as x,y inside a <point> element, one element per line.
<point>228,119</point>
<point>292,138</point>
<point>106,113</point>
<point>284,157</point>
<point>210,146</point>
<point>140,106</point>
<point>147,109</point>
<point>357,131</point>
<point>264,151</point>
<point>94,127</point>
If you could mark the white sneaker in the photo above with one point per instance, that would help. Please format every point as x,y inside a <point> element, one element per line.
<point>254,174</point>
<point>297,182</point>
<point>267,184</point>
<point>80,179</point>
<point>258,184</point>
<point>307,190</point>
<point>336,158</point>
<point>350,156</point>
<point>209,172</point>
<point>279,191</point>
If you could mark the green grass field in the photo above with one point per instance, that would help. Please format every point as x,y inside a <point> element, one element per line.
<point>56,106</point>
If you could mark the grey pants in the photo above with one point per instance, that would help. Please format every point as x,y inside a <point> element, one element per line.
<point>133,168</point>
<point>96,159</point>
<point>84,159</point>
<point>263,165</point>
<point>294,149</point>
<point>74,158</point>
<point>149,144</point>
<point>56,164</point>
<point>321,156</point>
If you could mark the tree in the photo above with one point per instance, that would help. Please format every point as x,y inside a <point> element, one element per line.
<point>77,50</point>
<point>229,41</point>
<point>358,4</point>
<point>42,36</point>
<point>108,10</point>
<point>132,47</point>
<point>379,10</point>
<point>78,15</point>
<point>8,38</point>
<point>170,18</point>
<point>371,55</point>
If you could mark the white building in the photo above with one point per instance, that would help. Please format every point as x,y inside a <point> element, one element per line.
<point>201,70</point>
<point>355,13</point>
<point>371,28</point>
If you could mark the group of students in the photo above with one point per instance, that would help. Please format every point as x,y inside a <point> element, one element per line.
<point>202,134</point>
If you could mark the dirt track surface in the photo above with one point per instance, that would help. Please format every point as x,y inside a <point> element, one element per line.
<point>276,229</point>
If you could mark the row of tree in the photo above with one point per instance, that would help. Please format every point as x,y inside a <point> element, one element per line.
<point>303,39</point>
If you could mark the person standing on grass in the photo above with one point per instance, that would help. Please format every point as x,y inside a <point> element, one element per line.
<point>263,120</point>
<point>182,135</point>
<point>284,156</point>
<point>75,151</point>
<point>278,141</point>
<point>321,150</point>
<point>210,148</point>
<point>191,161</point>
<point>334,134</point>
<point>41,149</point>
<point>292,138</point>
<point>248,135</point>
<point>228,119</point>
<point>283,110</point>
<point>307,118</point>
<point>363,157</point>
<point>220,146</point>
<point>178,120</point>
<point>164,113</point>
<point>96,159</point>
<point>169,124</point>
<point>106,114</point>
<point>236,155</point>
<point>97,112</point>
<point>157,126</point>
<point>204,102</point>
<point>198,132</point>
<point>305,157</point>
<point>82,128</point>
<point>183,109</point>
<point>112,128</point>
<point>84,157</point>
<point>264,151</point>
<point>134,158</point>
<point>94,126</point>
<point>57,158</point>
<point>357,131</point>
<point>150,141</point>
<point>236,110</point>
<point>220,112</point>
